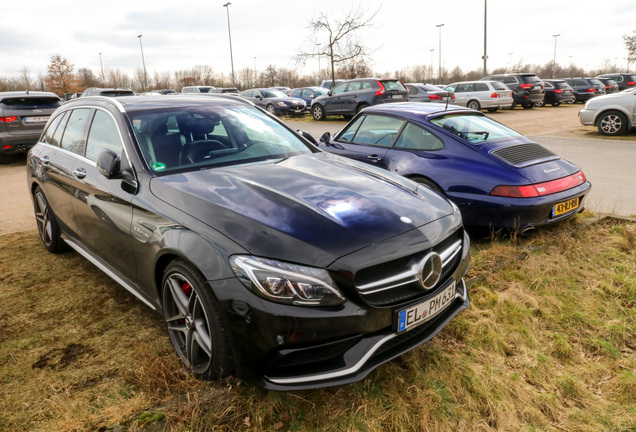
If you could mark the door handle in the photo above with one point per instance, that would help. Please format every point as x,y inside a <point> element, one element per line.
<point>44,160</point>
<point>374,158</point>
<point>80,173</point>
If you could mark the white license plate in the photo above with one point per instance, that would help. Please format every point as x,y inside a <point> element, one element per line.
<point>396,97</point>
<point>36,119</point>
<point>422,312</point>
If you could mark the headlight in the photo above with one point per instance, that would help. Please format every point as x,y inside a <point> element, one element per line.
<point>282,104</point>
<point>286,283</point>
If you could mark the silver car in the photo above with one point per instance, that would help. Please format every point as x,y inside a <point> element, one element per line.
<point>612,114</point>
<point>421,92</point>
<point>478,95</point>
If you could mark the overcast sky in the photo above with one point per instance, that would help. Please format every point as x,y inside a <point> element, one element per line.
<point>180,34</point>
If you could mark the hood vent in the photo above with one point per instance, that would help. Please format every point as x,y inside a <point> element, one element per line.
<point>525,154</point>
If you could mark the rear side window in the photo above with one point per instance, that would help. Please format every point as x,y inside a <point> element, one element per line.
<point>499,86</point>
<point>548,85</point>
<point>103,135</point>
<point>509,80</point>
<point>481,87</point>
<point>416,138</point>
<point>74,131</point>
<point>413,90</point>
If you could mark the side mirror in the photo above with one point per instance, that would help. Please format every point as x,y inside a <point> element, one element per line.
<point>325,138</point>
<point>108,163</point>
<point>307,136</point>
<point>329,92</point>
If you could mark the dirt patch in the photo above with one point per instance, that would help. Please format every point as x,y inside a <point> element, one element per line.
<point>17,209</point>
<point>62,358</point>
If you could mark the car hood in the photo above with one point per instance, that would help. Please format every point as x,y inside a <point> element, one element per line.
<point>311,209</point>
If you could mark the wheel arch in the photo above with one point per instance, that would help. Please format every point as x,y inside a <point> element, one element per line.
<point>620,109</point>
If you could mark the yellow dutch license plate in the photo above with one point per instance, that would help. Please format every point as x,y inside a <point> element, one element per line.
<point>565,207</point>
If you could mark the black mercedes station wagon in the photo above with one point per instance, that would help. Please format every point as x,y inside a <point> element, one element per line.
<point>289,267</point>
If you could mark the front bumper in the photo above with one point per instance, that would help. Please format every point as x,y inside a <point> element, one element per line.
<point>284,347</point>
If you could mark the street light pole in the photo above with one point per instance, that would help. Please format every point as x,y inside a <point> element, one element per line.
<point>431,70</point>
<point>255,72</point>
<point>439,77</point>
<point>226,5</point>
<point>554,59</point>
<point>143,61</point>
<point>510,62</point>
<point>318,45</point>
<point>101,66</point>
<point>485,35</point>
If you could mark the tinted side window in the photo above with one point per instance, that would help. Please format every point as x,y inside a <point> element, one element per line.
<point>498,86</point>
<point>416,138</point>
<point>103,135</point>
<point>378,130</point>
<point>296,93</point>
<point>548,85</point>
<point>48,135</point>
<point>413,90</point>
<point>481,87</point>
<point>354,86</point>
<point>509,80</point>
<point>73,133</point>
<point>462,88</point>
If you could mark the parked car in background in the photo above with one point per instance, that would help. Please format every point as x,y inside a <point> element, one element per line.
<point>612,114</point>
<point>586,88</point>
<point>349,98</point>
<point>624,80</point>
<point>329,84</point>
<point>23,115</point>
<point>275,101</point>
<point>478,95</point>
<point>266,257</point>
<point>227,90</point>
<point>422,92</point>
<point>557,91</point>
<point>496,176</point>
<point>109,92</point>
<point>611,86</point>
<point>527,88</point>
<point>308,94</point>
<point>197,89</point>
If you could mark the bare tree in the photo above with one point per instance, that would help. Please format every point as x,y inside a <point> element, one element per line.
<point>630,44</point>
<point>337,41</point>
<point>354,68</point>
<point>25,78</point>
<point>86,78</point>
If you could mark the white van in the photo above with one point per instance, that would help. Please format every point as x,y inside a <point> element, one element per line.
<point>197,89</point>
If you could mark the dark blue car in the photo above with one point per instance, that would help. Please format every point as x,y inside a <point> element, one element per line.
<point>496,176</point>
<point>308,94</point>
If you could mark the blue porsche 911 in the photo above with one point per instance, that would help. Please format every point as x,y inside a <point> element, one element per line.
<point>496,176</point>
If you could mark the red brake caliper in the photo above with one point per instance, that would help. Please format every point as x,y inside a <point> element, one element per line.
<point>187,290</point>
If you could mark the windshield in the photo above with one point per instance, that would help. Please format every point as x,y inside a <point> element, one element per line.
<point>191,138</point>
<point>475,129</point>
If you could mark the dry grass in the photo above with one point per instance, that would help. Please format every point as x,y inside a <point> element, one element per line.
<point>547,345</point>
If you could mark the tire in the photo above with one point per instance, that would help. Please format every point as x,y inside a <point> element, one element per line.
<point>513,106</point>
<point>571,101</point>
<point>540,104</point>
<point>473,105</point>
<point>194,324</point>
<point>493,109</point>
<point>48,227</point>
<point>361,107</point>
<point>528,106</point>
<point>556,104</point>
<point>612,123</point>
<point>2,159</point>
<point>318,112</point>
<point>270,109</point>
<point>427,182</point>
